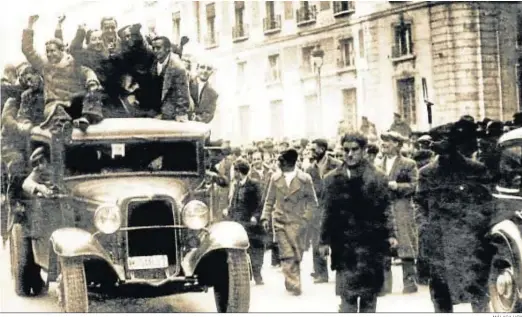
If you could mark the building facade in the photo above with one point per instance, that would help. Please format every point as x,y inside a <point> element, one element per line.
<point>379,58</point>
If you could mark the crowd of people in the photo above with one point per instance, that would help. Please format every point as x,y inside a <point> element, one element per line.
<point>402,188</point>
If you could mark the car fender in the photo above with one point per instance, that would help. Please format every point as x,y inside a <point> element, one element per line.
<point>221,235</point>
<point>510,233</point>
<point>75,242</point>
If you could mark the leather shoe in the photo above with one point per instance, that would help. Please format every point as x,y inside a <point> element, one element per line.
<point>259,280</point>
<point>410,289</point>
<point>320,280</point>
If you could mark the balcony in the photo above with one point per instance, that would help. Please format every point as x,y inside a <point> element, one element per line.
<point>400,54</point>
<point>343,8</point>
<point>240,33</point>
<point>211,41</point>
<point>306,15</point>
<point>272,24</point>
<point>343,66</point>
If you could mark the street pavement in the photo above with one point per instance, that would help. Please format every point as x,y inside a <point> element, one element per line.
<point>270,297</point>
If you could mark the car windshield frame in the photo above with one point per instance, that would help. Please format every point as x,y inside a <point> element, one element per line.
<point>502,148</point>
<point>199,143</point>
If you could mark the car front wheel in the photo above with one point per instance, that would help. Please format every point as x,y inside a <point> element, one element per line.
<point>232,285</point>
<point>503,286</point>
<point>24,270</point>
<point>72,286</point>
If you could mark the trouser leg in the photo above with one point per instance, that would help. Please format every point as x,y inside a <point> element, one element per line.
<point>440,295</point>
<point>292,274</point>
<point>256,252</point>
<point>348,305</point>
<point>368,304</point>
<point>388,277</point>
<point>320,265</point>
<point>409,275</point>
<point>275,254</point>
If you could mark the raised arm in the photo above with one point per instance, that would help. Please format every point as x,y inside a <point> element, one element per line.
<point>28,45</point>
<point>58,33</point>
<point>76,47</point>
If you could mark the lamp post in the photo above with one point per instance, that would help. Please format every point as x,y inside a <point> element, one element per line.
<point>317,61</point>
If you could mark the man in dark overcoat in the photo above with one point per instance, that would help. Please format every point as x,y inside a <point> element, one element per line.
<point>322,165</point>
<point>289,204</point>
<point>245,208</point>
<point>453,192</point>
<point>356,226</point>
<point>402,174</point>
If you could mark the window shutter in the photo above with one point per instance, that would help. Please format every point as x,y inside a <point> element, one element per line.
<point>239,4</point>
<point>289,10</point>
<point>211,10</point>
<point>325,5</point>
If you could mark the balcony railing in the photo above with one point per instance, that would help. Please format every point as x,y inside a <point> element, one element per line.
<point>400,54</point>
<point>272,24</point>
<point>306,15</point>
<point>240,33</point>
<point>211,41</point>
<point>342,8</point>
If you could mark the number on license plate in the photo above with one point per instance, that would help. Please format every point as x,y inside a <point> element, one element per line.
<point>148,262</point>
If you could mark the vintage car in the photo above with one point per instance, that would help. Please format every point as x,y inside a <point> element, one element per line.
<point>132,208</point>
<point>505,283</point>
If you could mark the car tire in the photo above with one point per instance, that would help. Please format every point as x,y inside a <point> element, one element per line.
<point>502,285</point>
<point>24,270</point>
<point>72,286</point>
<point>232,287</point>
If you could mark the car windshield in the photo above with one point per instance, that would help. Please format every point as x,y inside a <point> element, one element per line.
<point>511,167</point>
<point>174,156</point>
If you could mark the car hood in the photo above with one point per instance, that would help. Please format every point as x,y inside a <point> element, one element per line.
<point>117,189</point>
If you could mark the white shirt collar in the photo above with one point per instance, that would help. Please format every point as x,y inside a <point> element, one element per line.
<point>161,65</point>
<point>389,163</point>
<point>243,181</point>
<point>289,176</point>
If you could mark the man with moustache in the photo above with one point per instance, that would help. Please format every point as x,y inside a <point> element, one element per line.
<point>322,165</point>
<point>111,42</point>
<point>289,205</point>
<point>356,226</point>
<point>402,173</point>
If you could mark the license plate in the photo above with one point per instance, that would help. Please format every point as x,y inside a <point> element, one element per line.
<point>148,262</point>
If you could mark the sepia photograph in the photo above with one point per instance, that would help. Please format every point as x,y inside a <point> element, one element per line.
<point>162,156</point>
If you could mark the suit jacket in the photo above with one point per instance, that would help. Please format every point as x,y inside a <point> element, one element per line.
<point>175,91</point>
<point>404,172</point>
<point>317,178</point>
<point>205,103</point>
<point>246,202</point>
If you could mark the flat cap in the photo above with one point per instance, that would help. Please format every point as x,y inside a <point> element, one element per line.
<point>37,155</point>
<point>393,136</point>
<point>424,138</point>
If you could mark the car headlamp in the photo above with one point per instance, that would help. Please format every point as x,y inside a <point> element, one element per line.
<point>107,219</point>
<point>195,215</point>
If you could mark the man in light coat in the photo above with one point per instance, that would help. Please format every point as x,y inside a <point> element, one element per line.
<point>289,204</point>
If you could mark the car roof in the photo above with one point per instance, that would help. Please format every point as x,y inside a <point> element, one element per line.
<point>511,136</point>
<point>122,128</point>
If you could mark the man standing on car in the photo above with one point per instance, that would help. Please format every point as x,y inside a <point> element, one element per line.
<point>322,165</point>
<point>289,204</point>
<point>453,192</point>
<point>245,208</point>
<point>356,226</point>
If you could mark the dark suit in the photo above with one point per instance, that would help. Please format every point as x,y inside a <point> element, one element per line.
<point>320,263</point>
<point>174,99</point>
<point>204,102</point>
<point>246,203</point>
<point>356,226</point>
